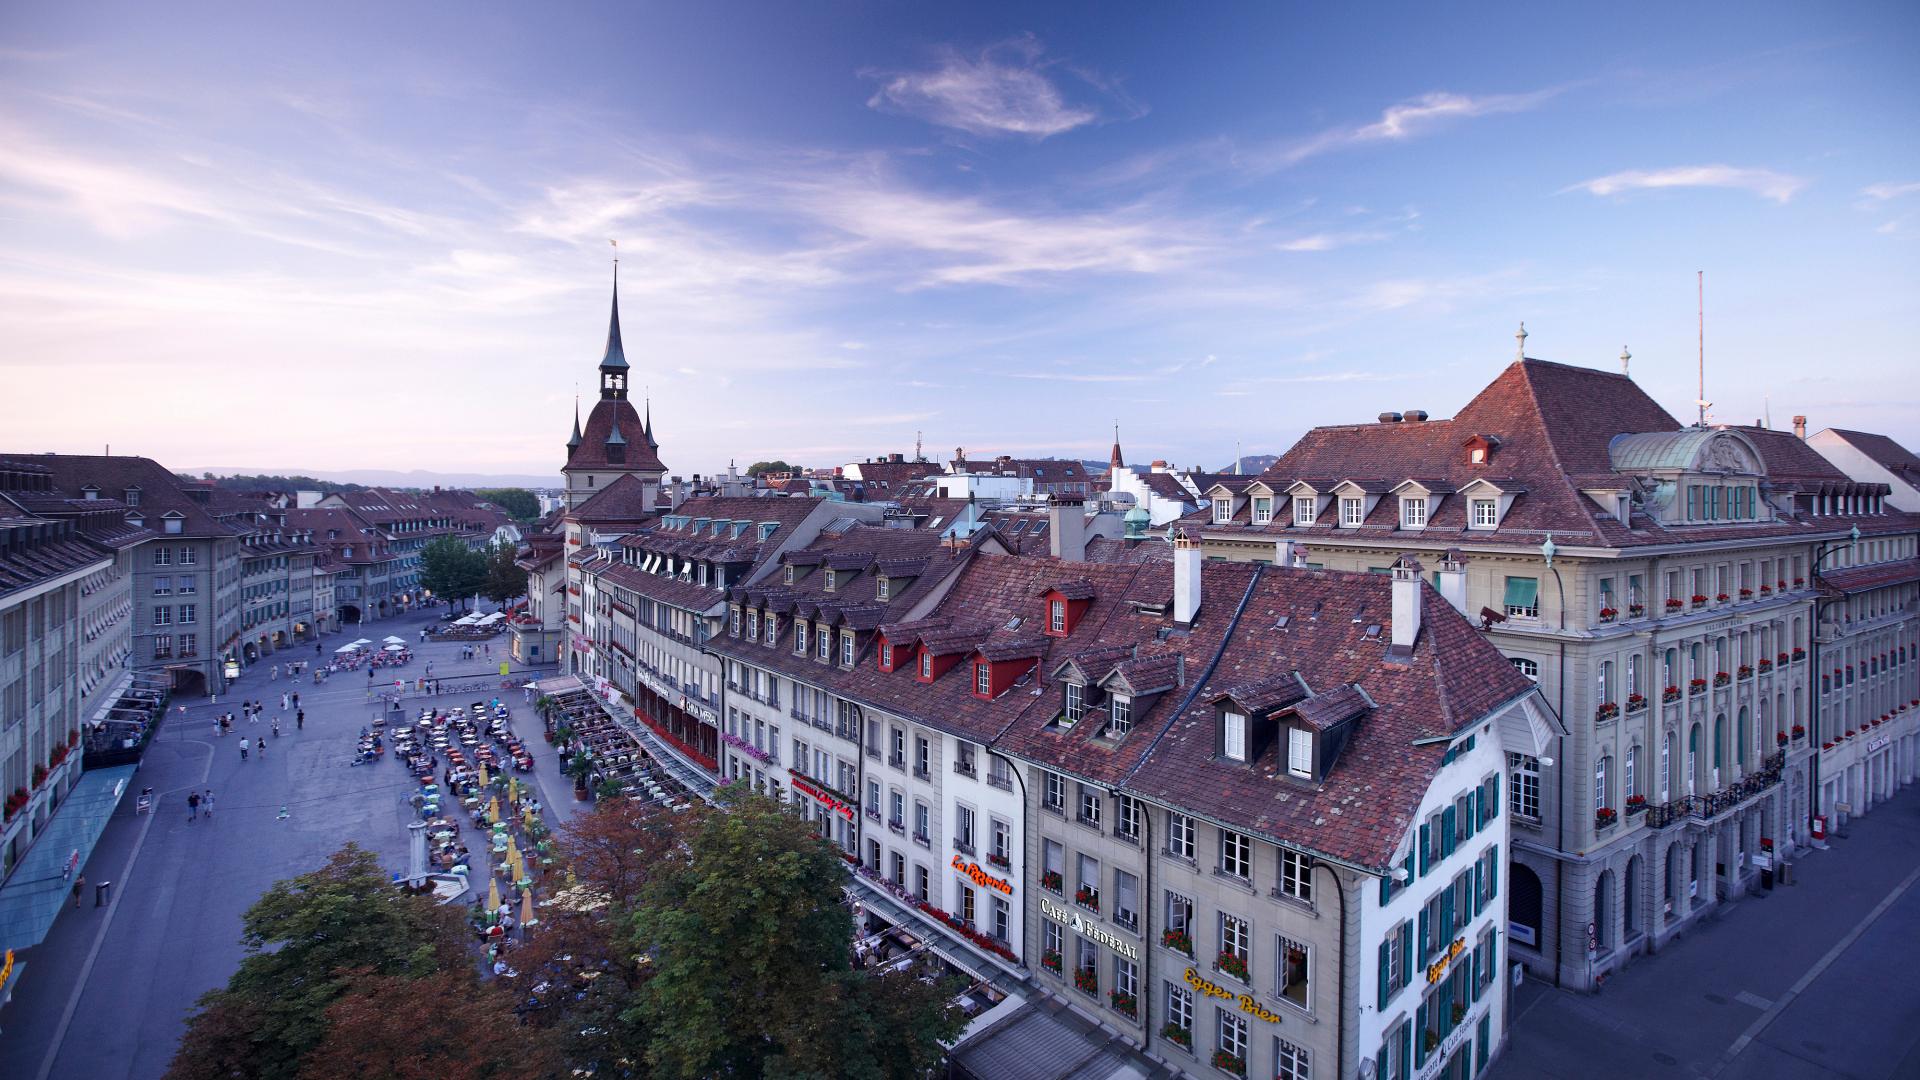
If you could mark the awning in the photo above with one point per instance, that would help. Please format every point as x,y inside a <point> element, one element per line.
<point>31,898</point>
<point>1523,592</point>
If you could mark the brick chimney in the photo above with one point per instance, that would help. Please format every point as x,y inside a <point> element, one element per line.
<point>1187,562</point>
<point>1067,527</point>
<point>1800,427</point>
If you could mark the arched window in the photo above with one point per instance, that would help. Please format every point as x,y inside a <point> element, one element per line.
<point>1693,758</point>
<point>1719,741</point>
<point>1529,668</point>
<point>1600,770</point>
<point>1603,910</point>
<point>1630,901</point>
<point>1670,668</point>
<point>1743,731</point>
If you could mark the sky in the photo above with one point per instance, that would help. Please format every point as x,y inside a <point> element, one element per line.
<point>346,235</point>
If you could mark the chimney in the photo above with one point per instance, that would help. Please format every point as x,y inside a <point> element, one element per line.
<point>1067,525</point>
<point>1187,562</point>
<point>1453,580</point>
<point>1283,553</point>
<point>1800,427</point>
<point>1406,602</point>
<point>417,854</point>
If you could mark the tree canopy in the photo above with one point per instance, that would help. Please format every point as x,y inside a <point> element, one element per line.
<point>504,579</point>
<point>452,570</point>
<point>761,468</point>
<point>519,503</point>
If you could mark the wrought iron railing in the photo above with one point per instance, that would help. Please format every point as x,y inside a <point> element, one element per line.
<point>1712,805</point>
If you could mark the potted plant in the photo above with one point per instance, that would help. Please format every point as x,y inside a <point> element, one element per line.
<point>1826,746</point>
<point>1765,665</point>
<point>1177,1034</point>
<point>1086,981</point>
<point>994,858</point>
<point>39,774</point>
<point>1050,881</point>
<point>1746,593</point>
<point>1123,1002</point>
<point>608,789</point>
<point>1178,941</point>
<point>1608,614</point>
<point>1799,654</point>
<point>1606,710</point>
<point>1699,600</point>
<point>1230,963</point>
<point>1231,1063</point>
<point>1744,671</point>
<point>1432,1039</point>
<point>1636,702</point>
<point>1634,611</point>
<point>1674,603</point>
<point>1798,582</point>
<point>1696,686</point>
<point>1459,1012</point>
<point>1051,960</point>
<point>1087,897</point>
<point>1799,731</point>
<point>1721,678</point>
<point>1670,694</point>
<point>1636,803</point>
<point>1720,598</point>
<point>1766,590</point>
<point>1604,817</point>
<point>1781,738</point>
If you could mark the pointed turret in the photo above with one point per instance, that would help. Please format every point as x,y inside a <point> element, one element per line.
<point>1114,461</point>
<point>646,426</point>
<point>613,364</point>
<point>574,442</point>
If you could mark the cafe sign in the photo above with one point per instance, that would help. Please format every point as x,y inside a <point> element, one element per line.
<point>1438,969</point>
<point>1246,1002</point>
<point>979,876</point>
<point>839,806</point>
<point>1089,928</point>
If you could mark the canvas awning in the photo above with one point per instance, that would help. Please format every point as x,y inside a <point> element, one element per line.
<point>31,898</point>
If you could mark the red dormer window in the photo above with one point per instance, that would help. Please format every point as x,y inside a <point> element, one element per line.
<point>885,653</point>
<point>926,667</point>
<point>1056,617</point>
<point>1062,614</point>
<point>1479,448</point>
<point>983,680</point>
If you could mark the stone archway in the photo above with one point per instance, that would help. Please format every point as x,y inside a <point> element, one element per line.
<point>1526,900</point>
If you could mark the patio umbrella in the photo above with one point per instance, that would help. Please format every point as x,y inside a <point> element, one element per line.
<point>396,648</point>
<point>345,648</point>
<point>363,641</point>
<point>393,640</point>
<point>493,896</point>
<point>526,909</point>
<point>493,809</point>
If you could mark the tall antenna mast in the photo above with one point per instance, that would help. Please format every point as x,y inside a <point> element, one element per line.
<point>917,454</point>
<point>1700,279</point>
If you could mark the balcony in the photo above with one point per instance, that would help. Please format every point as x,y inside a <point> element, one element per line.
<point>1711,807</point>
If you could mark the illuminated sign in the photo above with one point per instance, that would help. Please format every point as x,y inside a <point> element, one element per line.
<point>981,878</point>
<point>831,803</point>
<point>1438,969</point>
<point>1245,1001</point>
<point>1089,928</point>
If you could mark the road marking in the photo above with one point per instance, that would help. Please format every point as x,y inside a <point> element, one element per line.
<point>1825,962</point>
<point>1748,997</point>
<point>106,926</point>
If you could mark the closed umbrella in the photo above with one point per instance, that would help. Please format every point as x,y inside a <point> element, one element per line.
<point>526,909</point>
<point>493,897</point>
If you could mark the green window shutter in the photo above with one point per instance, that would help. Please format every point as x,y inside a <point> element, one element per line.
<point>1426,935</point>
<point>1386,889</point>
<point>1406,954</point>
<point>1474,817</point>
<point>1406,1046</point>
<point>1493,871</point>
<point>1420,1037</point>
<point>1493,790</point>
<point>1426,847</point>
<point>1407,864</point>
<point>1473,976</point>
<point>1484,1037</point>
<point>1523,592</point>
<point>1384,958</point>
<point>1447,826</point>
<point>1479,887</point>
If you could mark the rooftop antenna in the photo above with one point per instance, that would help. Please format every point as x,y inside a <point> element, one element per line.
<point>1766,404</point>
<point>1239,469</point>
<point>918,454</point>
<point>1624,357</point>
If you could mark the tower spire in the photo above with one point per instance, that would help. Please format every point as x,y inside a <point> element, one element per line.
<point>574,442</point>
<point>646,423</point>
<point>613,363</point>
<point>1114,461</point>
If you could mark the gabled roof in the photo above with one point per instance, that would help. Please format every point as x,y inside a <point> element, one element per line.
<point>1882,450</point>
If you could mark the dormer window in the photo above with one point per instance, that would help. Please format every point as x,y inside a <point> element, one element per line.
<point>733,622</point>
<point>983,679</point>
<point>830,580</point>
<point>1413,512</point>
<point>1076,703</point>
<point>882,587</point>
<point>1300,753</point>
<point>846,650</point>
<point>1057,616</point>
<point>789,575</point>
<point>1477,455</point>
<point>926,666</point>
<point>1305,509</point>
<point>800,637</point>
<point>825,639</point>
<point>1484,513</point>
<point>133,496</point>
<point>886,655</point>
<point>1120,716</point>
<point>1262,510</point>
<point>753,626</point>
<point>90,493</point>
<point>1222,511</point>
<point>1233,735</point>
<point>1353,510</point>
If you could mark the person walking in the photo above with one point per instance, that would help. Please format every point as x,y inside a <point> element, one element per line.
<point>273,673</point>
<point>296,699</point>
<point>284,699</point>
<point>300,720</point>
<point>217,730</point>
<point>79,886</point>
<point>261,746</point>
<point>243,748</point>
<point>206,803</point>
<point>193,806</point>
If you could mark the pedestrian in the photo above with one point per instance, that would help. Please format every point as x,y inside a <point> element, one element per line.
<point>316,648</point>
<point>300,720</point>
<point>193,805</point>
<point>243,748</point>
<point>284,699</point>
<point>296,699</point>
<point>216,727</point>
<point>273,673</point>
<point>489,648</point>
<point>429,667</point>
<point>206,803</point>
<point>260,745</point>
<point>79,884</point>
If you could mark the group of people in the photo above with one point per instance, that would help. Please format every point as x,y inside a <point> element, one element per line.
<point>251,711</point>
<point>202,802</point>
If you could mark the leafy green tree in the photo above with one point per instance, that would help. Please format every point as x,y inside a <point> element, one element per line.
<point>452,570</point>
<point>761,468</point>
<point>445,1026</point>
<point>505,579</point>
<point>310,940</point>
<point>748,932</point>
<point>519,503</point>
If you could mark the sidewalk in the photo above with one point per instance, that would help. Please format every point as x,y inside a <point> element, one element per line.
<point>1810,980</point>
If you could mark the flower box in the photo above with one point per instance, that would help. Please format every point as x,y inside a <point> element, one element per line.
<point>1746,594</point>
<point>1606,710</point>
<point>1178,941</point>
<point>1781,738</point>
<point>1123,1002</point>
<point>1696,686</point>
<point>1634,611</point>
<point>1604,817</point>
<point>1670,695</point>
<point>1636,702</point>
<point>1799,654</point>
<point>1826,746</point>
<point>1798,582</point>
<point>1765,665</point>
<point>1230,1063</point>
<point>1675,604</point>
<point>1799,731</point>
<point>1176,1034</point>
<point>1232,964</point>
<point>1608,614</point>
<point>1721,678</point>
<point>1766,590</point>
<point>1699,600</point>
<point>1744,671</point>
<point>1720,598</point>
<point>1051,961</point>
<point>39,775</point>
<point>1050,881</point>
<point>1000,861</point>
<point>1087,981</point>
<point>1087,898</point>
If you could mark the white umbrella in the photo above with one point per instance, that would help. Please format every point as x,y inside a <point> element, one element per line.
<point>344,648</point>
<point>396,648</point>
<point>493,618</point>
<point>363,641</point>
<point>392,640</point>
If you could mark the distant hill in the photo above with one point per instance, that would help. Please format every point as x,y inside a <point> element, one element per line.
<point>395,478</point>
<point>1252,464</point>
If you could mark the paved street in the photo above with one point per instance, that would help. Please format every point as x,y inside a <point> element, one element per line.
<point>109,990</point>
<point>1812,981</point>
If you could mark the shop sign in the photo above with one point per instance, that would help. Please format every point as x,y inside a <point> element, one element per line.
<point>1089,928</point>
<point>831,803</point>
<point>1437,1061</point>
<point>980,877</point>
<point>1880,743</point>
<point>233,669</point>
<point>1438,969</point>
<point>1246,1002</point>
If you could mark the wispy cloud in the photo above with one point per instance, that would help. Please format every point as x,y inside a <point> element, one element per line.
<point>1765,183</point>
<point>1328,241</point>
<point>1408,119</point>
<point>1076,377</point>
<point>1885,191</point>
<point>1005,89</point>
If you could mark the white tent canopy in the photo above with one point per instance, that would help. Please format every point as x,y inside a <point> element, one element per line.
<point>392,640</point>
<point>363,641</point>
<point>396,648</point>
<point>344,648</point>
<point>493,618</point>
<point>466,620</point>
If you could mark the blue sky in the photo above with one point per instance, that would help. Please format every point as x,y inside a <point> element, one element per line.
<point>348,236</point>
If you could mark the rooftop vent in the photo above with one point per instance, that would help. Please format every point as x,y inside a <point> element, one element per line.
<point>1389,417</point>
<point>1415,416</point>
